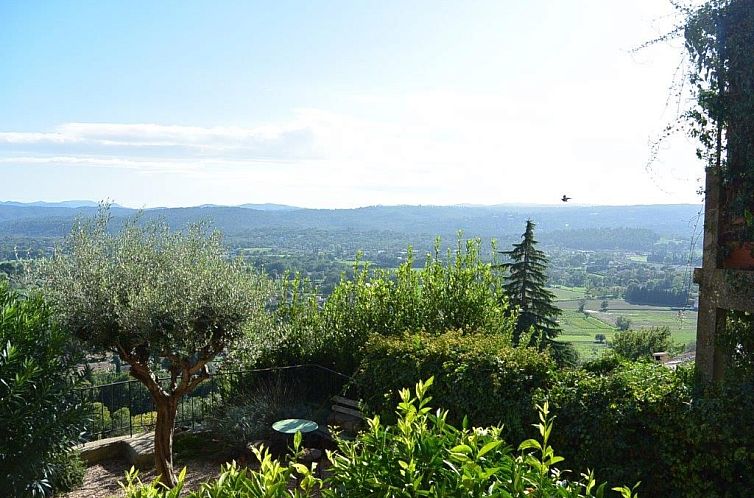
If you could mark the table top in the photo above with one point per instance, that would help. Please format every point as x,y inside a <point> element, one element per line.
<point>294,425</point>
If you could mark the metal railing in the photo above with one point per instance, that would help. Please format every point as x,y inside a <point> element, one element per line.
<point>126,407</point>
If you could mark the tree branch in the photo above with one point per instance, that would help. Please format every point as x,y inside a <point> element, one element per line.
<point>142,373</point>
<point>190,380</point>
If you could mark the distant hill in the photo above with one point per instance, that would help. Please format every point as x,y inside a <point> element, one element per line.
<point>500,221</point>
<point>269,207</point>
<point>67,204</point>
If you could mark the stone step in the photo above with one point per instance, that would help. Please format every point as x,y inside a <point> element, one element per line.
<point>137,450</point>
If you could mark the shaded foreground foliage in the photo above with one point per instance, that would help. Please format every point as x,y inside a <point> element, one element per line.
<point>40,414</point>
<point>641,421</point>
<point>422,455</point>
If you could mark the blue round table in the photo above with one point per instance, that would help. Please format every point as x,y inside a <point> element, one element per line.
<point>294,425</point>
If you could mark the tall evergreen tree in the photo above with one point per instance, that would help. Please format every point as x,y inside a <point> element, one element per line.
<point>525,286</point>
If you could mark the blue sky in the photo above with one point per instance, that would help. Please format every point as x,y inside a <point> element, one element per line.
<point>338,104</point>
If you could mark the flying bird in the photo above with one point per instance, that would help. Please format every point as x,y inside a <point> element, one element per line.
<point>565,198</point>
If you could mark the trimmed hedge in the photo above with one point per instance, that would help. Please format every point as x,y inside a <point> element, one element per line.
<point>644,422</point>
<point>477,375</point>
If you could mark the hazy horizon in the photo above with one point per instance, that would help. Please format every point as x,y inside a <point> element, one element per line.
<point>242,204</point>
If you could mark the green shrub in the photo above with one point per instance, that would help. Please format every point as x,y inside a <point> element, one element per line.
<point>642,421</point>
<point>189,445</point>
<point>248,415</point>
<point>612,422</point>
<point>41,416</point>
<point>135,488</point>
<point>623,323</point>
<point>421,456</point>
<point>738,339</point>
<point>455,292</point>
<point>710,444</point>
<point>100,418</point>
<point>604,364</point>
<point>477,375</point>
<point>121,419</point>
<point>144,422</point>
<point>67,472</point>
<point>641,343</point>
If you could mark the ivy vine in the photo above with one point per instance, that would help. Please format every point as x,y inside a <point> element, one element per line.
<point>719,41</point>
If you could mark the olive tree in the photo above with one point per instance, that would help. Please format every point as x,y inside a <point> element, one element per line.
<point>155,297</point>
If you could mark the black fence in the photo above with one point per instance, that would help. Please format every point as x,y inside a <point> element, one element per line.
<point>126,408</point>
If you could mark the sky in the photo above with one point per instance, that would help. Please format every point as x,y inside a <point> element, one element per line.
<point>339,104</point>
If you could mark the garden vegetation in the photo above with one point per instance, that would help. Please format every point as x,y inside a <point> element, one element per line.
<point>41,416</point>
<point>422,455</point>
<point>153,297</point>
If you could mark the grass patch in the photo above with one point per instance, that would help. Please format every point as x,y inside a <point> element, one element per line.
<point>563,293</point>
<point>682,327</point>
<point>575,323</point>
<point>580,329</point>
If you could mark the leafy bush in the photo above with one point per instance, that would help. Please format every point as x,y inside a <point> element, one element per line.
<point>604,364</point>
<point>422,455</point>
<point>144,422</point>
<point>101,420</point>
<point>121,418</point>
<point>738,339</point>
<point>638,344</point>
<point>40,414</point>
<point>614,422</point>
<point>641,421</point>
<point>135,488</point>
<point>249,415</point>
<point>622,323</point>
<point>478,375</point>
<point>457,292</point>
<point>710,444</point>
<point>67,472</point>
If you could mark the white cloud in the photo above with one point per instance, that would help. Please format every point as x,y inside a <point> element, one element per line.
<point>434,147</point>
<point>294,140</point>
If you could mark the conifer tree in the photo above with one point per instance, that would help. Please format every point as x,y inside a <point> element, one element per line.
<point>525,286</point>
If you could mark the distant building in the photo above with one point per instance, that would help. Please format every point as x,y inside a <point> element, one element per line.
<point>664,358</point>
<point>661,357</point>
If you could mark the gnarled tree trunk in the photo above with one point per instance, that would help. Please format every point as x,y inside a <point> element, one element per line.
<point>163,439</point>
<point>184,377</point>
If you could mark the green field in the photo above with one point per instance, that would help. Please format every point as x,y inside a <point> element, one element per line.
<point>567,293</point>
<point>580,328</point>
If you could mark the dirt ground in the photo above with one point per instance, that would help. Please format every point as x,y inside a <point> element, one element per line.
<point>101,480</point>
